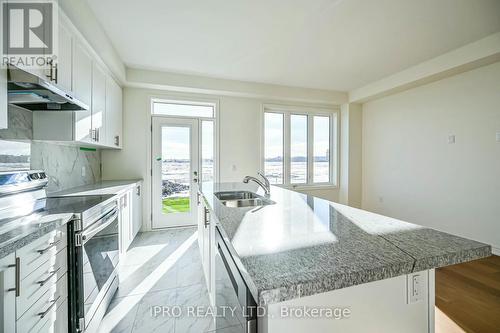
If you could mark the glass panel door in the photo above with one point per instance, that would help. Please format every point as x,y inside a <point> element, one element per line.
<point>175,171</point>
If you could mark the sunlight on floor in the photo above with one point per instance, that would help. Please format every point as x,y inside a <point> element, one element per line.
<point>121,309</point>
<point>444,324</point>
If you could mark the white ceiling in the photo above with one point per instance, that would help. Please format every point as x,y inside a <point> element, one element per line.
<point>328,44</point>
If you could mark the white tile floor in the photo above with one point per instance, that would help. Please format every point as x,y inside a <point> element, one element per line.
<point>163,269</point>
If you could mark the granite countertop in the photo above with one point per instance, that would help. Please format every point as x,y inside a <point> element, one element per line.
<point>21,232</point>
<point>100,188</point>
<point>304,245</point>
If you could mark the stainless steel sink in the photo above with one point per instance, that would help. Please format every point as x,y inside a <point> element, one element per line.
<point>236,195</point>
<point>238,199</point>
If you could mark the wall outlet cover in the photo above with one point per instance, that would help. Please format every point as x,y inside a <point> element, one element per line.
<point>451,139</point>
<point>498,136</point>
<point>414,288</point>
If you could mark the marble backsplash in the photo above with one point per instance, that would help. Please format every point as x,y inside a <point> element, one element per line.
<point>66,165</point>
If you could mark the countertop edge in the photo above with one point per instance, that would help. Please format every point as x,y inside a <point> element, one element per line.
<point>334,282</point>
<point>28,238</point>
<point>115,187</point>
<point>452,258</point>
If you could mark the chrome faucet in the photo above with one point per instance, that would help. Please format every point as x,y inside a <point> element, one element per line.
<point>265,185</point>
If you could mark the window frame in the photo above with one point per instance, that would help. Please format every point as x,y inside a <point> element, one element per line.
<point>189,100</point>
<point>310,112</point>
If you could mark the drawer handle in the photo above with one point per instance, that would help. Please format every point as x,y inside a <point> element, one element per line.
<point>48,277</point>
<point>17,288</point>
<point>44,313</point>
<point>49,247</point>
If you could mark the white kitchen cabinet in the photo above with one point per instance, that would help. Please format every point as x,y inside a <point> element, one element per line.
<point>34,288</point>
<point>114,111</point>
<point>43,287</point>
<point>81,72</point>
<point>3,93</point>
<point>125,221</point>
<point>3,98</point>
<point>130,204</point>
<point>98,103</point>
<point>205,239</point>
<point>82,88</point>
<point>64,66</point>
<point>136,210</point>
<point>8,293</point>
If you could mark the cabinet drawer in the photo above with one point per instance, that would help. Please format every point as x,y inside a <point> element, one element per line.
<point>36,253</point>
<point>45,308</point>
<point>41,280</point>
<point>57,322</point>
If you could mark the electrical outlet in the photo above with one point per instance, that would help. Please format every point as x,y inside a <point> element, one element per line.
<point>451,139</point>
<point>414,288</point>
<point>498,136</point>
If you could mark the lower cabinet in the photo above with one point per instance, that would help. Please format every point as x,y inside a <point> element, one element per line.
<point>206,242</point>
<point>34,286</point>
<point>136,210</point>
<point>125,222</point>
<point>130,204</point>
<point>9,267</point>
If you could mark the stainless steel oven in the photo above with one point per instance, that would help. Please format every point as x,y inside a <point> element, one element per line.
<point>231,292</point>
<point>95,268</point>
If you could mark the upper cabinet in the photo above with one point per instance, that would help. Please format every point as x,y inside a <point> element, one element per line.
<point>80,71</point>
<point>3,98</point>
<point>113,113</point>
<point>98,104</point>
<point>64,66</point>
<point>3,92</point>
<point>82,88</point>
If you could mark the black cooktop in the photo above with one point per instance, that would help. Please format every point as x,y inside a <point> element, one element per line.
<point>73,204</point>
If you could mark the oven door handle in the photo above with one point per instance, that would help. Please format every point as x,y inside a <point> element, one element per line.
<point>106,221</point>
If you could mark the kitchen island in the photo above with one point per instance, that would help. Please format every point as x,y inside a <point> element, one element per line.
<point>302,253</point>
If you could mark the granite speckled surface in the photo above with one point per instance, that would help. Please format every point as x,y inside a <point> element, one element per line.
<point>14,236</point>
<point>304,245</point>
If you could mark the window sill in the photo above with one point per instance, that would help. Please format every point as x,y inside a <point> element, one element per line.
<point>304,187</point>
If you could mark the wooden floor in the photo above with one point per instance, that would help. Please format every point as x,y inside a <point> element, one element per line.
<point>468,297</point>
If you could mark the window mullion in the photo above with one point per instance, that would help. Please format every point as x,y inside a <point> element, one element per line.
<point>310,148</point>
<point>286,149</point>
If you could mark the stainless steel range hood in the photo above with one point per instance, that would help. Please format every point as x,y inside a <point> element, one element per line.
<point>34,93</point>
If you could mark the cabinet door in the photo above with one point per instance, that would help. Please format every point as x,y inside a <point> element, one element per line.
<point>7,294</point>
<point>63,73</point>
<point>3,98</point>
<point>114,112</point>
<point>82,88</point>
<point>98,103</point>
<point>137,211</point>
<point>125,222</point>
<point>201,223</point>
<point>204,239</point>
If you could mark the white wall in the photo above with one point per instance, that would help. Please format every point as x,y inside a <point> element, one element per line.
<point>239,140</point>
<point>350,154</point>
<point>410,171</point>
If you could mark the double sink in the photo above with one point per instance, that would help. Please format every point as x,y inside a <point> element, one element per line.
<point>240,199</point>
